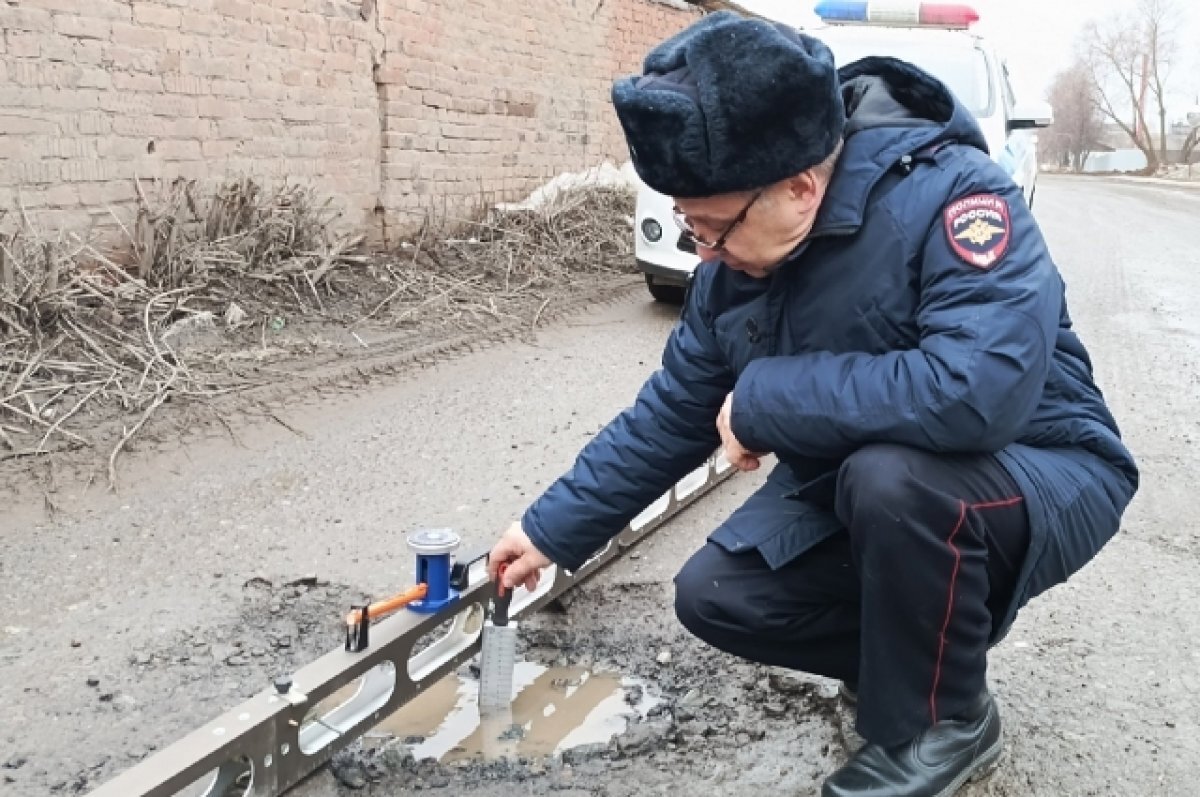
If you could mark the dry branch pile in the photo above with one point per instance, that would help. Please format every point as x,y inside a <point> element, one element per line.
<point>242,243</point>
<point>496,267</point>
<point>85,332</point>
<point>80,328</point>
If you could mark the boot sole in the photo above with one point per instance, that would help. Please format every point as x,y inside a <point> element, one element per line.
<point>984,766</point>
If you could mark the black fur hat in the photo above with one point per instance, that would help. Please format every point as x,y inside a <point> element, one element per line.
<point>730,104</point>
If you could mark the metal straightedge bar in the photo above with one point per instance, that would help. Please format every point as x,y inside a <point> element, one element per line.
<point>271,742</point>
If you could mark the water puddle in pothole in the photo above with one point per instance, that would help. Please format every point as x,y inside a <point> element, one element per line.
<point>554,709</point>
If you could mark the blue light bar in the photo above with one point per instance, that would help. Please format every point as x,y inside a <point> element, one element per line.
<point>897,13</point>
<point>842,10</point>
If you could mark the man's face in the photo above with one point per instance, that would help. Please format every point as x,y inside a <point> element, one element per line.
<point>752,231</point>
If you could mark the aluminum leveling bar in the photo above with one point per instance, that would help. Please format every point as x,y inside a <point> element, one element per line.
<point>272,741</point>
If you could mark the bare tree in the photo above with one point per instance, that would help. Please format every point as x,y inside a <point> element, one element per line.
<point>1189,145</point>
<point>1160,19</point>
<point>1078,122</point>
<point>1128,54</point>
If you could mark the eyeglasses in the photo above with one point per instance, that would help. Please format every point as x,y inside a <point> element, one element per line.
<point>682,220</point>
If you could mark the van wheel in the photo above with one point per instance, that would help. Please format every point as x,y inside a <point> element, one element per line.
<point>667,294</point>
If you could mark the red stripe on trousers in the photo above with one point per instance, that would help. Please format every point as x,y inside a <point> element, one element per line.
<point>962,517</point>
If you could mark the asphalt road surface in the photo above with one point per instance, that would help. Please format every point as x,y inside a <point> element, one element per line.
<point>129,619</point>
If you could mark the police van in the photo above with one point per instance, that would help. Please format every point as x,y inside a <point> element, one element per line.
<point>935,37</point>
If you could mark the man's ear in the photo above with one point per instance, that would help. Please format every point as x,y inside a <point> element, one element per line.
<point>805,190</point>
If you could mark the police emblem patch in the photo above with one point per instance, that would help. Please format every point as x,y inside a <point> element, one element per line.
<point>977,228</point>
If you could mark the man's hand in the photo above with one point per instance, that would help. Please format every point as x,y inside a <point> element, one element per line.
<point>738,456</point>
<point>524,561</point>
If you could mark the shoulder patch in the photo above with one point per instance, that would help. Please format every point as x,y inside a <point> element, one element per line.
<point>978,229</point>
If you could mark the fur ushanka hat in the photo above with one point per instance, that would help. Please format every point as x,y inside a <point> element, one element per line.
<point>730,104</point>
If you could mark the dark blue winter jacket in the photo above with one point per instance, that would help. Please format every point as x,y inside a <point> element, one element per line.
<point>924,309</point>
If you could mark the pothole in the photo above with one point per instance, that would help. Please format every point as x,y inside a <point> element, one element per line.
<point>554,709</point>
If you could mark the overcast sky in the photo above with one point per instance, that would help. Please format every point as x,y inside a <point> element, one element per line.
<point>1038,36</point>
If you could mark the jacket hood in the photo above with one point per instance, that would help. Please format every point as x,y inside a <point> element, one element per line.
<point>887,92</point>
<point>893,109</point>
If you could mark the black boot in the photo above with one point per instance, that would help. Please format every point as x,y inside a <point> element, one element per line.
<point>934,764</point>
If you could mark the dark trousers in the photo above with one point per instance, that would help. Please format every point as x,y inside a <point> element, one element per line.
<point>901,605</point>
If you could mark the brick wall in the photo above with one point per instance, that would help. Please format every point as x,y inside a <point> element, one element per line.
<point>422,104</point>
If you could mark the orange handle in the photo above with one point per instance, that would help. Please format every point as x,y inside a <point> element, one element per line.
<point>391,604</point>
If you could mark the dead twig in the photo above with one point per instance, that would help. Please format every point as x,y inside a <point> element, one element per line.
<point>287,425</point>
<point>65,416</point>
<point>538,314</point>
<point>440,295</point>
<point>162,395</point>
<point>35,419</point>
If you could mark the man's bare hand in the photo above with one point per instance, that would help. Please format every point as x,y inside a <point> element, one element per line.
<point>737,455</point>
<point>524,561</point>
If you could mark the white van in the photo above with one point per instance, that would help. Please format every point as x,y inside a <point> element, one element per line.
<point>934,37</point>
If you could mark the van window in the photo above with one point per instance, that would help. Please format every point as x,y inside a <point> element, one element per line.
<point>964,68</point>
<point>1010,98</point>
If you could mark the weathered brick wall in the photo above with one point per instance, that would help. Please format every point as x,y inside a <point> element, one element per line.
<point>422,104</point>
<point>486,99</point>
<point>96,93</point>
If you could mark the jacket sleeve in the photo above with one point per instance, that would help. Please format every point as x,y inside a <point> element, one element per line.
<point>668,432</point>
<point>972,383</point>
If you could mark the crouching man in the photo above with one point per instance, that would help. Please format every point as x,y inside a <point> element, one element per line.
<point>877,308</point>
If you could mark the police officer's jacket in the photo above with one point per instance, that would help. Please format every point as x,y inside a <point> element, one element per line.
<point>924,310</point>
